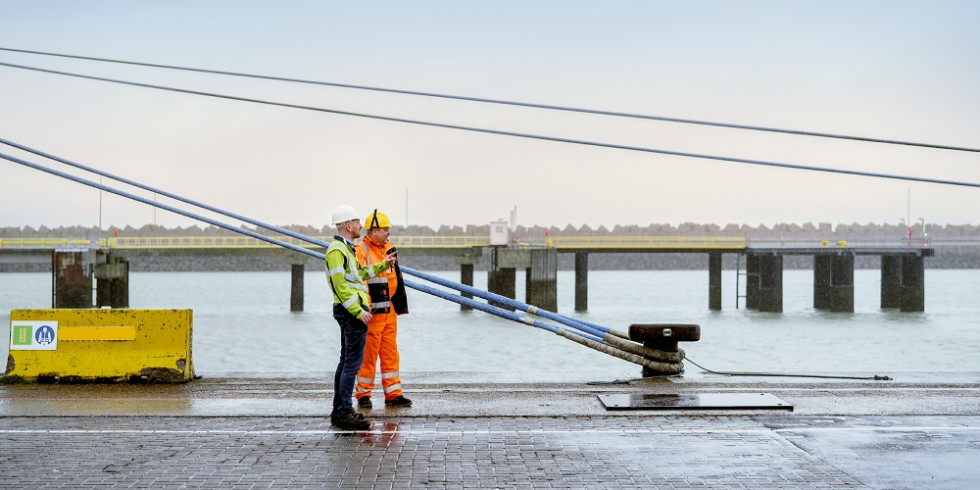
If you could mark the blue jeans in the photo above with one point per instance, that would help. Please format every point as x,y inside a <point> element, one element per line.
<point>353,332</point>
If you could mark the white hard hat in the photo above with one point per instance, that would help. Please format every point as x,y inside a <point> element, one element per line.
<point>343,214</point>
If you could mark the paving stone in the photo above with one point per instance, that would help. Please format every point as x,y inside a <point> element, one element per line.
<point>561,452</point>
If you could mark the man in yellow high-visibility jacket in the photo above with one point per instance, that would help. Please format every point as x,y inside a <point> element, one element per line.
<point>350,299</point>
<point>388,300</point>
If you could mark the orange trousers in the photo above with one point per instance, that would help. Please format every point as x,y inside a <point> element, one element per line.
<point>381,343</point>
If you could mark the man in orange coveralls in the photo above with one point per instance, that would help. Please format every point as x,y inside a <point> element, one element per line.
<point>388,300</point>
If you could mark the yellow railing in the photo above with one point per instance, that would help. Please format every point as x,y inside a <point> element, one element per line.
<point>439,241</point>
<point>707,242</point>
<point>195,242</point>
<point>42,242</point>
<point>249,242</point>
<point>203,242</point>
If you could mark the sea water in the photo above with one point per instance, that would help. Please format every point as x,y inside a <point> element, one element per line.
<point>242,322</point>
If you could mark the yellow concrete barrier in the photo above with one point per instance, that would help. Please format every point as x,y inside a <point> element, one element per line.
<point>100,345</point>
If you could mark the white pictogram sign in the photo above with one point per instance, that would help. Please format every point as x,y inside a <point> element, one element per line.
<point>33,335</point>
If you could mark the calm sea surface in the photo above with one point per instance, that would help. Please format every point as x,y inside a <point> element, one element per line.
<point>242,322</point>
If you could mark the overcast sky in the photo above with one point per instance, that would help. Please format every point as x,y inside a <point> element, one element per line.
<point>884,69</point>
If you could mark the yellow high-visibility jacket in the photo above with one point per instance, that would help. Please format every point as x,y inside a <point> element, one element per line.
<point>346,277</point>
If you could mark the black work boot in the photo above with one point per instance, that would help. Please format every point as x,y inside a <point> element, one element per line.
<point>350,421</point>
<point>364,402</point>
<point>398,401</point>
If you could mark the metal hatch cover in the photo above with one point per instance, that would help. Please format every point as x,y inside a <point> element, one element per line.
<point>694,401</point>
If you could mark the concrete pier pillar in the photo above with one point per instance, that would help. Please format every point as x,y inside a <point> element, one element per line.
<point>821,282</point>
<point>466,277</point>
<point>842,280</point>
<point>541,286</point>
<point>296,287</point>
<point>466,261</point>
<point>112,281</point>
<point>714,281</point>
<point>71,281</point>
<point>581,281</point>
<point>502,276</point>
<point>770,291</point>
<point>752,282</point>
<point>119,298</point>
<point>891,281</point>
<point>913,283</point>
<point>833,283</point>
<point>503,282</point>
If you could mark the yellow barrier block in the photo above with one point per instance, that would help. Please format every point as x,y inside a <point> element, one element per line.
<point>100,345</point>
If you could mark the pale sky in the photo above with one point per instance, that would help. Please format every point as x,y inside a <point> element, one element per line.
<point>884,69</point>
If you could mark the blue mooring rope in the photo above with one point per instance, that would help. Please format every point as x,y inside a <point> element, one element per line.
<point>591,328</point>
<point>620,348</point>
<point>495,310</point>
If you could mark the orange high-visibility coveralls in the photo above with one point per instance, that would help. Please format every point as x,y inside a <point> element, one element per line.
<point>383,327</point>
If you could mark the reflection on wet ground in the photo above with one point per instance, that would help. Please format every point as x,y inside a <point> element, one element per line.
<point>384,436</point>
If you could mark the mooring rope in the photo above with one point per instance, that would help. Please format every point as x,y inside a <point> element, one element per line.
<point>876,377</point>
<point>555,139</point>
<point>583,337</point>
<point>591,328</point>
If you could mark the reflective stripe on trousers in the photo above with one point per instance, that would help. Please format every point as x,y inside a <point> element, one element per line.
<point>381,344</point>
<point>392,391</point>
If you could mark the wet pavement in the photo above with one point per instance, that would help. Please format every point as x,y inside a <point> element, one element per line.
<point>486,430</point>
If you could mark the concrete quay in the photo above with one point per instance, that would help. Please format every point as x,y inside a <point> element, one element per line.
<point>494,430</point>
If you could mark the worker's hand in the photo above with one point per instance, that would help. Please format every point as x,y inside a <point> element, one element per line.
<point>366,317</point>
<point>390,259</point>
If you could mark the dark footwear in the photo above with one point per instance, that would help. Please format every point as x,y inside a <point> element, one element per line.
<point>364,402</point>
<point>398,401</point>
<point>350,422</point>
<point>333,417</point>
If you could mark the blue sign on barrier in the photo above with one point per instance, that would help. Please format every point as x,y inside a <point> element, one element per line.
<point>45,335</point>
<point>33,335</point>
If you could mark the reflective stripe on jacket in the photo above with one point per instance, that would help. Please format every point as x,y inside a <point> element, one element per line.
<point>346,276</point>
<point>382,298</point>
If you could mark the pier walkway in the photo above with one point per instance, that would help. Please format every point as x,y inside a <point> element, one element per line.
<point>485,430</point>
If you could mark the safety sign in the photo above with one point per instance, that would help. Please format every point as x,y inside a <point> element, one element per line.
<point>33,335</point>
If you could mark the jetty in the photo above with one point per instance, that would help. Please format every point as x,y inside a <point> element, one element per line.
<point>76,263</point>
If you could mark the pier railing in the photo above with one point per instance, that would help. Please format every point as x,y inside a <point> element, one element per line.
<point>42,243</point>
<point>859,242</point>
<point>652,242</point>
<point>249,242</point>
<point>560,242</point>
<point>439,241</point>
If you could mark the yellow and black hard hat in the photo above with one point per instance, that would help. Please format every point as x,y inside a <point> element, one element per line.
<point>377,219</point>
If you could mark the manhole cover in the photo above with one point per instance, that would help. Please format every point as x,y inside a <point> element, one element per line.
<point>695,401</point>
